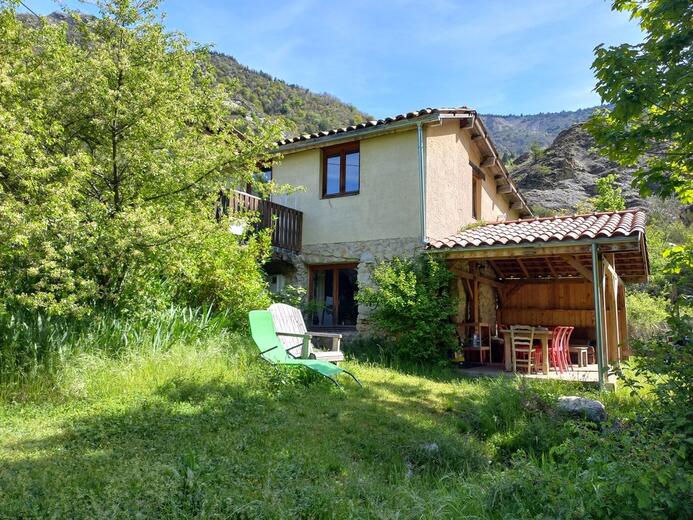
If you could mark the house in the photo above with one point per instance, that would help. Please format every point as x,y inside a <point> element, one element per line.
<point>433,180</point>
<point>381,189</point>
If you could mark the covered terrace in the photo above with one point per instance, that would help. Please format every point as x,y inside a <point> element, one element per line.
<point>565,271</point>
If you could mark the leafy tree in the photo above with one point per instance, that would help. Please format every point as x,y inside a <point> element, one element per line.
<point>116,148</point>
<point>649,88</point>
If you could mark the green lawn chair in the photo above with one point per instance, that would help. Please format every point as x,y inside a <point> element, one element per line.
<point>272,350</point>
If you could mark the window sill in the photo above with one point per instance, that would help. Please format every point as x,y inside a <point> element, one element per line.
<point>338,195</point>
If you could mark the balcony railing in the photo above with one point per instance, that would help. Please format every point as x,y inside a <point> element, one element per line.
<point>286,223</point>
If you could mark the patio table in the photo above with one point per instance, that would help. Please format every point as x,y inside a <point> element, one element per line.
<point>542,334</point>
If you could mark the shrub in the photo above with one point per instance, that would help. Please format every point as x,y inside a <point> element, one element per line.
<point>542,169</point>
<point>609,194</point>
<point>537,151</point>
<point>646,314</point>
<point>412,305</point>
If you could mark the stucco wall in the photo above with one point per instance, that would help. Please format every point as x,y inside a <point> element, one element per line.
<point>387,205</point>
<point>449,182</point>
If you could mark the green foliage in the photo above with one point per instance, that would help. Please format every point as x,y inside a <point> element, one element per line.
<point>140,414</point>
<point>671,272</point>
<point>609,197</point>
<point>37,346</point>
<point>190,429</point>
<point>113,152</point>
<point>541,211</point>
<point>647,314</point>
<point>267,96</point>
<point>412,305</point>
<point>609,194</point>
<point>542,169</point>
<point>537,151</point>
<point>291,295</point>
<point>649,87</point>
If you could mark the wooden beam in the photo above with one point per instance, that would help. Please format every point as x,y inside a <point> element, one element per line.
<point>488,161</point>
<point>469,276</point>
<point>522,266</point>
<point>507,188</point>
<point>517,205</point>
<point>509,291</point>
<point>467,122</point>
<point>577,265</point>
<point>513,252</point>
<point>546,281</point>
<point>477,137</point>
<point>496,269</point>
<point>550,265</point>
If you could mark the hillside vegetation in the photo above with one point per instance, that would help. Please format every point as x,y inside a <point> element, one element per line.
<point>177,417</point>
<point>264,95</point>
<point>515,134</point>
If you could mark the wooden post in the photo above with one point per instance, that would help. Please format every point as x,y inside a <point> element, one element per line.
<point>596,285</point>
<point>613,326</point>
<point>623,320</point>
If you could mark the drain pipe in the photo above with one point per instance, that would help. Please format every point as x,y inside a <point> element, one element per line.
<point>596,283</point>
<point>422,181</point>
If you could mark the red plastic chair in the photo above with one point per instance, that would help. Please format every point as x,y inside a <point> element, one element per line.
<point>554,356</point>
<point>558,349</point>
<point>567,362</point>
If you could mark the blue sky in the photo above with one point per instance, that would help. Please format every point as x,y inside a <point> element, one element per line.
<point>391,56</point>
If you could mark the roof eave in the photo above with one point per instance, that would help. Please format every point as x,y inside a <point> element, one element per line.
<point>481,128</point>
<point>351,135</point>
<point>634,238</point>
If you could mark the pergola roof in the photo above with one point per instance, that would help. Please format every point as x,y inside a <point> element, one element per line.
<point>554,247</point>
<point>578,227</point>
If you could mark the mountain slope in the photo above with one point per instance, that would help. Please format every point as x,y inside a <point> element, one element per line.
<point>267,96</point>
<point>566,172</point>
<point>514,134</point>
<point>262,94</point>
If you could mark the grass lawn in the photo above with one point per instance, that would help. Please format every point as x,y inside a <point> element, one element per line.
<point>200,431</point>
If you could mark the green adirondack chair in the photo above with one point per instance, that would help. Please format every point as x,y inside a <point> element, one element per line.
<point>273,351</point>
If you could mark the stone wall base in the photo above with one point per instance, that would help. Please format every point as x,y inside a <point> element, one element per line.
<point>365,254</point>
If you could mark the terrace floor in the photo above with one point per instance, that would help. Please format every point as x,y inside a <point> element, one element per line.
<point>587,374</point>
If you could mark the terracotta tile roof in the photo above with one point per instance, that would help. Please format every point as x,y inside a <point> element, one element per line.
<point>377,122</point>
<point>550,229</point>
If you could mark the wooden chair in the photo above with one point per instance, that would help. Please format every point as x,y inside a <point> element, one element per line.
<point>483,331</point>
<point>522,343</point>
<point>293,334</point>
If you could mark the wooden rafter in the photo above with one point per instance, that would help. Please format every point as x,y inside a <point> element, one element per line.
<point>470,276</point>
<point>577,265</point>
<point>522,266</point>
<point>496,269</point>
<point>508,291</point>
<point>488,161</point>
<point>550,266</point>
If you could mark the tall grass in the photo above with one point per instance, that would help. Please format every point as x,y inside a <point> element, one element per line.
<point>34,346</point>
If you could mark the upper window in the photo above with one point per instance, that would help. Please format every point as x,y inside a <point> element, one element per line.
<point>341,170</point>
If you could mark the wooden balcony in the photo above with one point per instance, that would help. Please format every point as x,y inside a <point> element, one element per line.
<point>286,223</point>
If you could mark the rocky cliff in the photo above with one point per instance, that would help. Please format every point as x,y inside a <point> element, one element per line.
<point>565,173</point>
